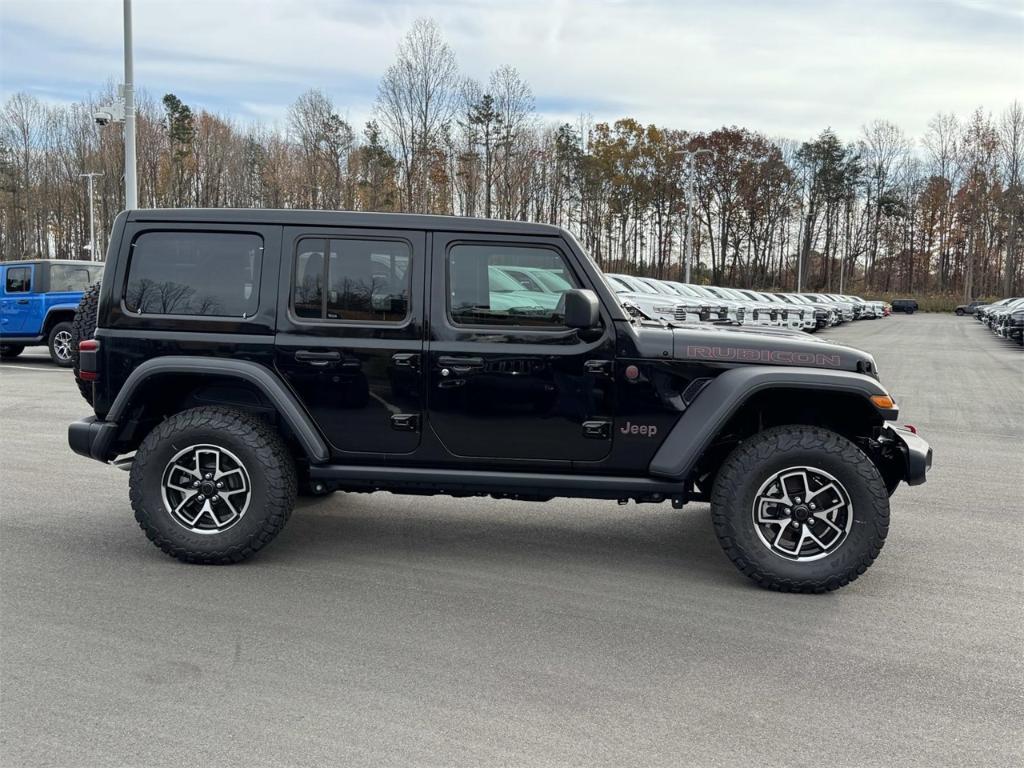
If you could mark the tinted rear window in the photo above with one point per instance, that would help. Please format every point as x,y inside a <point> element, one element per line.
<point>19,280</point>
<point>74,277</point>
<point>195,273</point>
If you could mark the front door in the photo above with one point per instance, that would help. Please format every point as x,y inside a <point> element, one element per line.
<point>18,306</point>
<point>505,378</point>
<point>350,339</point>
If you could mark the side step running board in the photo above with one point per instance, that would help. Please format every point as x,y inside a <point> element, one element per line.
<point>455,481</point>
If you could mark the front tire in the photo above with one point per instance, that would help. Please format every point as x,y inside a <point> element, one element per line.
<point>212,485</point>
<point>800,509</point>
<point>960,313</point>
<point>10,351</point>
<point>60,343</point>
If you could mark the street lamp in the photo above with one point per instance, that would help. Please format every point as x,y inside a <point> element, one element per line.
<point>122,110</point>
<point>130,188</point>
<point>92,226</point>
<point>688,248</point>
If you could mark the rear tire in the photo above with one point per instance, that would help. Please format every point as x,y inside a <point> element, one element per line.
<point>10,351</point>
<point>212,485</point>
<point>788,545</point>
<point>60,343</point>
<point>84,327</point>
<point>960,313</point>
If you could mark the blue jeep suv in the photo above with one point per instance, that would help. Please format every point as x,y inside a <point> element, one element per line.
<point>37,304</point>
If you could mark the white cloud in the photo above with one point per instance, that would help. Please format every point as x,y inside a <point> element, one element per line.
<point>788,67</point>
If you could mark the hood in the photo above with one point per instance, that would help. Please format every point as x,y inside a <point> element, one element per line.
<point>729,346</point>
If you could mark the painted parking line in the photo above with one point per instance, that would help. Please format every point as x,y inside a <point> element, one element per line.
<point>5,366</point>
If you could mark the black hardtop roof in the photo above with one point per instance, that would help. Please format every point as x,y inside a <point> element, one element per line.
<point>49,261</point>
<point>291,217</point>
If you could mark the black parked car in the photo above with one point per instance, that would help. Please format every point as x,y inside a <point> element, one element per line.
<point>904,305</point>
<point>243,355</point>
<point>968,309</point>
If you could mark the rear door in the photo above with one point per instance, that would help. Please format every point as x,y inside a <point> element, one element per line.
<point>506,379</point>
<point>18,305</point>
<point>350,334</point>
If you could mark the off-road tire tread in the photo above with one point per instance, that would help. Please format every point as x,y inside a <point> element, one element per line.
<point>275,463</point>
<point>83,327</point>
<point>750,454</point>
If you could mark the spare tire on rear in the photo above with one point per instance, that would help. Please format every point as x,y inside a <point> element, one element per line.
<point>83,327</point>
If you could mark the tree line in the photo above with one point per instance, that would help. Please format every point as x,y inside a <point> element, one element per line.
<point>879,213</point>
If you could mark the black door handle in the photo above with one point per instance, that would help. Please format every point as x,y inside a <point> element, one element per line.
<point>317,358</point>
<point>23,301</point>
<point>461,364</point>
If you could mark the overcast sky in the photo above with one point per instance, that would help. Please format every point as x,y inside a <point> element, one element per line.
<point>784,67</point>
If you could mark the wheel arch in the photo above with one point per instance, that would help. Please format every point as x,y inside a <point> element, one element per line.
<point>62,313</point>
<point>744,400</point>
<point>166,384</point>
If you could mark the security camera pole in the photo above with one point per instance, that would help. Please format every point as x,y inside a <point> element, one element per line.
<point>688,251</point>
<point>92,226</point>
<point>130,187</point>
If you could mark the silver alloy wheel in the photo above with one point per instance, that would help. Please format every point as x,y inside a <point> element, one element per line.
<point>205,488</point>
<point>802,514</point>
<point>62,345</point>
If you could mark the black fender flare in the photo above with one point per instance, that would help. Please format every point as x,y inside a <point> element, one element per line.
<point>283,400</point>
<point>719,400</point>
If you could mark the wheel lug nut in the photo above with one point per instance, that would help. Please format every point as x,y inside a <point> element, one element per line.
<point>195,484</point>
<point>220,484</point>
<point>208,476</point>
<point>201,497</point>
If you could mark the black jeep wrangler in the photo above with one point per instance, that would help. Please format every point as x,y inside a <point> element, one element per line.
<point>244,356</point>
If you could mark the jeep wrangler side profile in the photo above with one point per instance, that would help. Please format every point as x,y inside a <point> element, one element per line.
<point>37,304</point>
<point>244,356</point>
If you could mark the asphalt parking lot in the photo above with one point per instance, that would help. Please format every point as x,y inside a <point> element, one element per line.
<point>384,630</point>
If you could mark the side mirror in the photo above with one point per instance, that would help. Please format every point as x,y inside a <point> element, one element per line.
<point>581,308</point>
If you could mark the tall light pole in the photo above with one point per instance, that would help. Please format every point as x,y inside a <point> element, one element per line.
<point>92,225</point>
<point>688,248</point>
<point>130,186</point>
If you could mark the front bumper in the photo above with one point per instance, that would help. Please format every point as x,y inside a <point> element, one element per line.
<point>917,454</point>
<point>92,438</point>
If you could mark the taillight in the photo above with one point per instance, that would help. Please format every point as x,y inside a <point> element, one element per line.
<point>911,427</point>
<point>87,362</point>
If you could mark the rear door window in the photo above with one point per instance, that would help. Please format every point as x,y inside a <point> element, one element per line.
<point>195,273</point>
<point>18,280</point>
<point>358,281</point>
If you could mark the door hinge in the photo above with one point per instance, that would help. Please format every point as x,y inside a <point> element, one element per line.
<point>597,430</point>
<point>405,422</point>
<point>598,367</point>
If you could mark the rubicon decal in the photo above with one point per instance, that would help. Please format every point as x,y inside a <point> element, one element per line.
<point>782,356</point>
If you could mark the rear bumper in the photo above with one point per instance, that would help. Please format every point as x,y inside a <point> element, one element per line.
<point>917,454</point>
<point>92,438</point>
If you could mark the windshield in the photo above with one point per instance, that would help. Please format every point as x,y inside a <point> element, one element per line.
<point>502,283</point>
<point>553,282</point>
<point>683,290</point>
<point>656,285</point>
<point>636,286</point>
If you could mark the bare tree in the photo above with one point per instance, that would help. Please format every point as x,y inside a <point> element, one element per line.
<point>415,101</point>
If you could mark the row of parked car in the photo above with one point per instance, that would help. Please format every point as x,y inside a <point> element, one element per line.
<point>685,302</point>
<point>1005,317</point>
